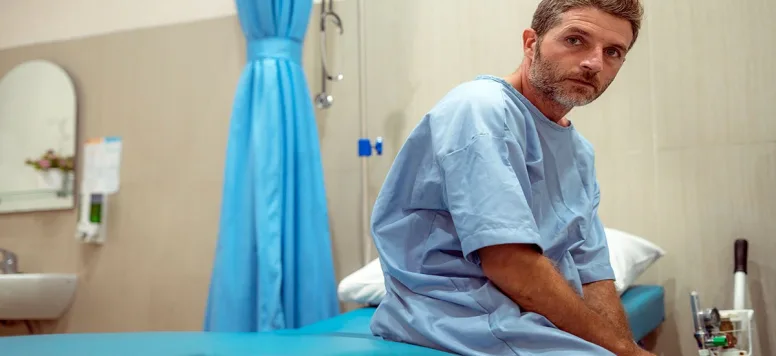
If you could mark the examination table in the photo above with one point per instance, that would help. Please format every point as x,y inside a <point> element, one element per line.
<point>346,334</point>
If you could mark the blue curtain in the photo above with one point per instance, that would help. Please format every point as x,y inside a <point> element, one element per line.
<point>273,267</point>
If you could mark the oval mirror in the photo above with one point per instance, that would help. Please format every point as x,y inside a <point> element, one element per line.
<point>37,138</point>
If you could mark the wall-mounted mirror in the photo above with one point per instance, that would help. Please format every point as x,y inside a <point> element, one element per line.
<point>37,138</point>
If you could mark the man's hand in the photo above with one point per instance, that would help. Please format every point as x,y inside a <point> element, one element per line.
<point>541,289</point>
<point>603,299</point>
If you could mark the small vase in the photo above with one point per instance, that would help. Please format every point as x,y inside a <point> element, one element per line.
<point>52,179</point>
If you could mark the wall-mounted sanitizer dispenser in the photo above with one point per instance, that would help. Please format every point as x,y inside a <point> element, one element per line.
<point>92,217</point>
<point>102,158</point>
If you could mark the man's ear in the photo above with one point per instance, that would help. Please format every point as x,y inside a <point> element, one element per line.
<point>530,41</point>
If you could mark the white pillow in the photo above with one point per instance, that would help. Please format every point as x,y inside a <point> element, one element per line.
<point>365,286</point>
<point>629,255</point>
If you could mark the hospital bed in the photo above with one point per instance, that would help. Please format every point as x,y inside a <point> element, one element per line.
<point>644,306</point>
<point>345,334</point>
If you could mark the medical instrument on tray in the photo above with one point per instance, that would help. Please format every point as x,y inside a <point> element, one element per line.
<point>726,332</point>
<point>324,100</point>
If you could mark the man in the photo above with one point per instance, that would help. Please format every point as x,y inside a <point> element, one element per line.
<point>487,223</point>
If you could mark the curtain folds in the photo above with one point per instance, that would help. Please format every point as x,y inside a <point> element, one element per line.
<point>273,267</point>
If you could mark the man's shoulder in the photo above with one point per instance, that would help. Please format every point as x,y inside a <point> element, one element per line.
<point>480,94</point>
<point>478,108</point>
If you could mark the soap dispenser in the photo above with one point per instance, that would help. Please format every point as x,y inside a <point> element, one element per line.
<point>92,218</point>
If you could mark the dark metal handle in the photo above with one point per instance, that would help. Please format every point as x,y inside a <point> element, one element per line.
<point>741,255</point>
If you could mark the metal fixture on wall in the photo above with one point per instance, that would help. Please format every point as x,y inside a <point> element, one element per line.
<point>324,100</point>
<point>364,143</point>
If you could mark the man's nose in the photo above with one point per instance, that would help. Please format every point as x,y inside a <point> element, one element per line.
<point>593,62</point>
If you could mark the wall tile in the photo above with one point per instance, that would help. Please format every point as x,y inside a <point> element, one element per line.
<point>711,68</point>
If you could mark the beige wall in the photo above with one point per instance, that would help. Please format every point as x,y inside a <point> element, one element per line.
<point>27,22</point>
<point>168,92</point>
<point>693,97</point>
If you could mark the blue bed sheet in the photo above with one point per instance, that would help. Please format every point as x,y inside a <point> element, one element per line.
<point>644,305</point>
<point>204,344</point>
<point>352,322</point>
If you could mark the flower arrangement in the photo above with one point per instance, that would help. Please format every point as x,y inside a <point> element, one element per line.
<point>50,160</point>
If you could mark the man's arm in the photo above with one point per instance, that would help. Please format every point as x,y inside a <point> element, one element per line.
<point>602,298</point>
<point>596,273</point>
<point>541,289</point>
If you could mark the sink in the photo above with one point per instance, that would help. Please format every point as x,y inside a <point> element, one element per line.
<point>36,296</point>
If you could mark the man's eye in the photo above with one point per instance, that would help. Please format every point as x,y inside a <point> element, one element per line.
<point>573,41</point>
<point>612,52</point>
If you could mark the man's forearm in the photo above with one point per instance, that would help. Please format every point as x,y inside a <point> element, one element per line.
<point>602,298</point>
<point>541,289</point>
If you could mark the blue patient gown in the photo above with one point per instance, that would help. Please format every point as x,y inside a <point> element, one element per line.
<point>484,167</point>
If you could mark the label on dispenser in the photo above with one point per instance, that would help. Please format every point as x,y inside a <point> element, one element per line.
<point>102,161</point>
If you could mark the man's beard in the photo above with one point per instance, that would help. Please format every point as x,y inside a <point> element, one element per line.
<point>546,77</point>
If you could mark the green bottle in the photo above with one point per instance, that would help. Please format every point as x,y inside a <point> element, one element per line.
<point>719,341</point>
<point>95,208</point>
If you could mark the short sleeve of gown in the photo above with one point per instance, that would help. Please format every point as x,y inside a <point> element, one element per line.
<point>485,179</point>
<point>592,257</point>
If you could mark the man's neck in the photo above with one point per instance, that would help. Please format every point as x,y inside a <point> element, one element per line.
<point>550,108</point>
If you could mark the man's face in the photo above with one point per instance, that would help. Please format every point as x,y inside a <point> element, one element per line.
<point>575,61</point>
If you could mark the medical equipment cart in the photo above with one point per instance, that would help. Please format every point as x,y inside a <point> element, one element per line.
<point>726,332</point>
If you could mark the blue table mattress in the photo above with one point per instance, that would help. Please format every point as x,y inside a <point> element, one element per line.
<point>204,344</point>
<point>644,305</point>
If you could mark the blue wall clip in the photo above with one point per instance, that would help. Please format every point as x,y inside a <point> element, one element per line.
<point>365,147</point>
